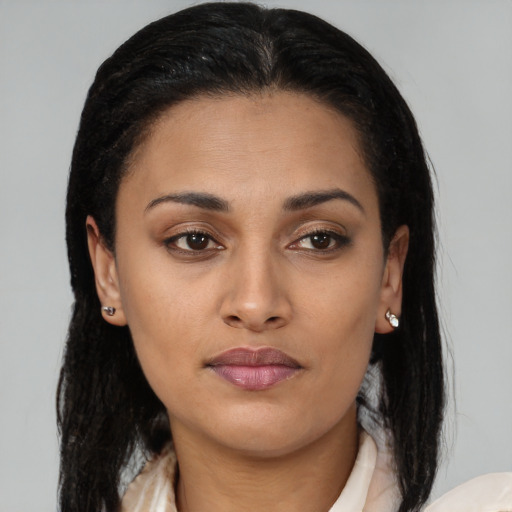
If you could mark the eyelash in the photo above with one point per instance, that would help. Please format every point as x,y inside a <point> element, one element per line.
<point>339,240</point>
<point>170,242</point>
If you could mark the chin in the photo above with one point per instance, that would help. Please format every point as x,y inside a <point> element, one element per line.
<point>266,443</point>
<point>263,432</point>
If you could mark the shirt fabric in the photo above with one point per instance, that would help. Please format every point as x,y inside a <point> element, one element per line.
<point>371,487</point>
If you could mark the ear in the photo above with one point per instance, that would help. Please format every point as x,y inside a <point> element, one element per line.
<point>105,273</point>
<point>391,286</point>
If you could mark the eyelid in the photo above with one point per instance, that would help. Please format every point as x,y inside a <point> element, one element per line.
<point>187,231</point>
<point>340,237</point>
<point>310,227</point>
<point>189,228</point>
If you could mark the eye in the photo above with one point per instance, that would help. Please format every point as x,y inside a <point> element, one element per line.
<point>192,241</point>
<point>321,241</point>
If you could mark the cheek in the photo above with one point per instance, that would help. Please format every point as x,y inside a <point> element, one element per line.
<point>165,314</point>
<point>341,320</point>
<point>156,295</point>
<point>345,300</point>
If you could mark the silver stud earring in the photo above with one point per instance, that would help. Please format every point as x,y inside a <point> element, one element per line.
<point>109,310</point>
<point>392,319</point>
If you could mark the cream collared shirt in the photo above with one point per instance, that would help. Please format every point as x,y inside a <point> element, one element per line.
<point>371,487</point>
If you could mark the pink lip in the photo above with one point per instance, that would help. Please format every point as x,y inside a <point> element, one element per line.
<point>254,369</point>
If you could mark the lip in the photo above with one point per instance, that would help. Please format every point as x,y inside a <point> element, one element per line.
<point>254,369</point>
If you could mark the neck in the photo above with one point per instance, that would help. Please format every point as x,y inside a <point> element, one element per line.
<point>219,479</point>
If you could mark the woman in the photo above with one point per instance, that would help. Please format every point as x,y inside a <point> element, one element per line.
<point>251,244</point>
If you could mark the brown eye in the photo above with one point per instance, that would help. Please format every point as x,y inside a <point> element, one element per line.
<point>192,242</point>
<point>321,241</point>
<point>196,241</point>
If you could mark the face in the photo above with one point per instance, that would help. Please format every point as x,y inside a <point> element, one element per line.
<point>250,270</point>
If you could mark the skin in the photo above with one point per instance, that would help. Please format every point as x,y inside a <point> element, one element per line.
<point>258,278</point>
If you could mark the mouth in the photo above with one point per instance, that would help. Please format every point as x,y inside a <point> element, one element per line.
<point>254,369</point>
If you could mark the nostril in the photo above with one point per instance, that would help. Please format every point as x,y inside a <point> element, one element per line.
<point>275,322</point>
<point>254,322</point>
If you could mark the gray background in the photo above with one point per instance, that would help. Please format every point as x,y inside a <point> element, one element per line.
<point>453,62</point>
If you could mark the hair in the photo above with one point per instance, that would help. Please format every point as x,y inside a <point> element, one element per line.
<point>106,409</point>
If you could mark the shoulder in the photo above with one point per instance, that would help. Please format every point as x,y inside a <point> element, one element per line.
<point>486,493</point>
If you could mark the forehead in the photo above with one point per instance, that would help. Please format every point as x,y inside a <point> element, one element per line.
<point>259,143</point>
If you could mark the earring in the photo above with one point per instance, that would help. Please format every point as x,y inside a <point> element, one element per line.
<point>109,310</point>
<point>392,319</point>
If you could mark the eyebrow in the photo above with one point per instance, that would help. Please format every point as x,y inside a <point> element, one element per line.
<point>294,203</point>
<point>310,199</point>
<point>201,200</point>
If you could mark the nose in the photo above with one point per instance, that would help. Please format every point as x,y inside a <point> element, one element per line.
<point>256,298</point>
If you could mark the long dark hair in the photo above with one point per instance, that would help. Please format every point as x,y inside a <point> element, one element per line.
<point>106,409</point>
